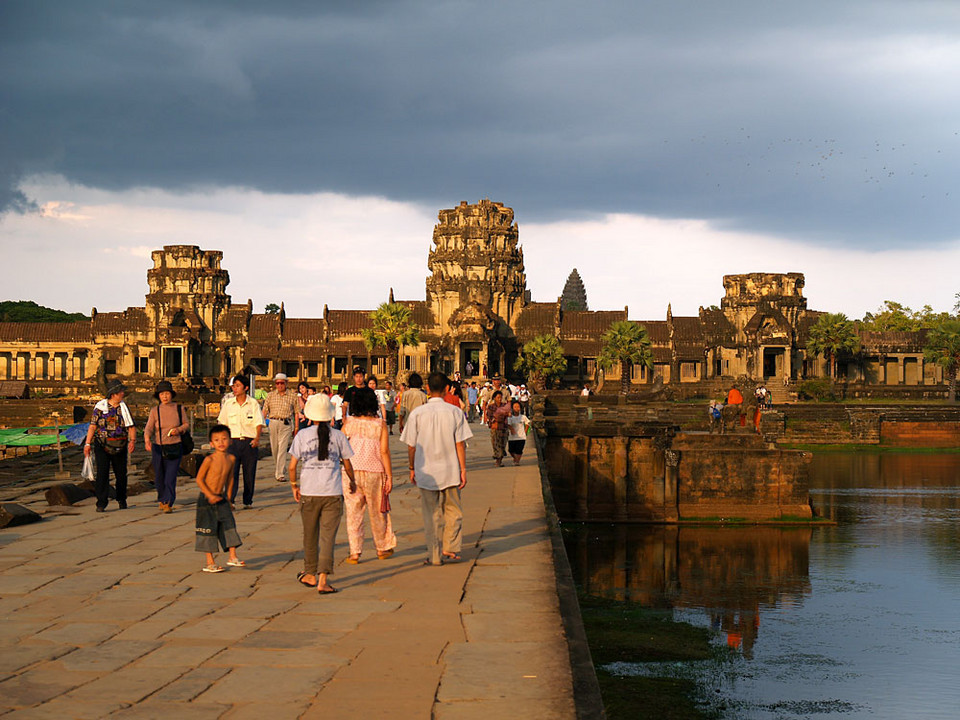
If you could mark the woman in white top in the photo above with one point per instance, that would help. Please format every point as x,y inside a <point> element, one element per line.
<point>319,491</point>
<point>517,425</point>
<point>371,463</point>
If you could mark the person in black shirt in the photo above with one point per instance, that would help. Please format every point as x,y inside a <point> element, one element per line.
<point>359,382</point>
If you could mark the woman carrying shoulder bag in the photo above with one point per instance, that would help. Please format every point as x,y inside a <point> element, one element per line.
<point>162,436</point>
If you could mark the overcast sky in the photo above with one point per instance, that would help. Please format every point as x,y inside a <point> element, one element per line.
<point>653,145</point>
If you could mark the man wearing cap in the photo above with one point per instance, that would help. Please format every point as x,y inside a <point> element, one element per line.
<point>280,407</point>
<point>241,413</point>
<point>111,437</point>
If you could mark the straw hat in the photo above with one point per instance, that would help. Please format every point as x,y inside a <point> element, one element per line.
<point>318,408</point>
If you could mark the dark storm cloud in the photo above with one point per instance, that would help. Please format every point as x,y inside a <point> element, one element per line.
<point>831,122</point>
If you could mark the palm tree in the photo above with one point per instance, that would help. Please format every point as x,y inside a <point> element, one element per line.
<point>541,358</point>
<point>833,335</point>
<point>943,348</point>
<point>627,343</point>
<point>392,329</point>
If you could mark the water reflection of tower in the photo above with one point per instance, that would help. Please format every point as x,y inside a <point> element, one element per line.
<point>731,573</point>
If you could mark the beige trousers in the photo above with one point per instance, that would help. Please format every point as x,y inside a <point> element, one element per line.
<point>369,494</point>
<point>442,521</point>
<point>280,438</point>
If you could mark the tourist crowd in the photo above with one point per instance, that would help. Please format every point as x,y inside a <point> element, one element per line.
<point>331,446</point>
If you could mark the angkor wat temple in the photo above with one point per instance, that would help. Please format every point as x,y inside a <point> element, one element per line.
<point>477,310</point>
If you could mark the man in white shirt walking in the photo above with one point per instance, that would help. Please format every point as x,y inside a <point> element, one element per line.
<point>241,413</point>
<point>435,435</point>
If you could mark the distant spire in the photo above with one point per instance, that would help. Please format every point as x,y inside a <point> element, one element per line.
<point>574,295</point>
<point>391,296</point>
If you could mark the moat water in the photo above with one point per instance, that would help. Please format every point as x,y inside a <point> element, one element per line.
<point>855,620</point>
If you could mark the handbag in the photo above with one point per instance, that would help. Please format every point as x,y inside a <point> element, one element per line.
<point>186,438</point>
<point>385,503</point>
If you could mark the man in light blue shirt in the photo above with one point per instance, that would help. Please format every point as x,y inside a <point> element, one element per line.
<point>472,395</point>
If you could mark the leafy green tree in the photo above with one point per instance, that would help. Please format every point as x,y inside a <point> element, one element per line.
<point>29,311</point>
<point>893,316</point>
<point>943,348</point>
<point>627,343</point>
<point>272,308</point>
<point>541,358</point>
<point>392,329</point>
<point>833,335</point>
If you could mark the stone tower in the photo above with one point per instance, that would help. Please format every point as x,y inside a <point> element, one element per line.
<point>186,283</point>
<point>765,310</point>
<point>574,295</point>
<point>188,295</point>
<point>476,260</point>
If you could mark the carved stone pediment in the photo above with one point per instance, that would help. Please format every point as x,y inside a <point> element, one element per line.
<point>473,319</point>
<point>769,325</point>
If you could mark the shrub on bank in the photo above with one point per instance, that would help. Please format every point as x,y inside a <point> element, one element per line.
<point>818,389</point>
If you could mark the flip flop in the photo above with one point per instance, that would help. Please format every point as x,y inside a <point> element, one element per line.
<point>327,591</point>
<point>352,561</point>
<point>454,558</point>
<point>213,569</point>
<point>236,563</point>
<point>427,562</point>
<point>301,576</point>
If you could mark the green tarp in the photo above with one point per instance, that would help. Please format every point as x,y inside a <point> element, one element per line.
<point>19,437</point>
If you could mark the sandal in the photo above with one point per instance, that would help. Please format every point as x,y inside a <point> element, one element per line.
<point>353,560</point>
<point>328,590</point>
<point>236,563</point>
<point>213,568</point>
<point>385,554</point>
<point>300,579</point>
<point>452,558</point>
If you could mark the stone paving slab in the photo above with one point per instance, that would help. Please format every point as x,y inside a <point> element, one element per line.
<point>108,614</point>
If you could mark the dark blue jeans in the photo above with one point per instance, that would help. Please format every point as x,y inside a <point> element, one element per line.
<point>165,474</point>
<point>246,457</point>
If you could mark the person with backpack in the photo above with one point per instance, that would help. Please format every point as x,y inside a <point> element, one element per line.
<point>166,427</point>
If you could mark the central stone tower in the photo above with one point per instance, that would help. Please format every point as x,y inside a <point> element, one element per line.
<point>477,287</point>
<point>476,259</point>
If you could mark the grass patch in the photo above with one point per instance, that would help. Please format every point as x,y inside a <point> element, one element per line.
<point>637,698</point>
<point>625,632</point>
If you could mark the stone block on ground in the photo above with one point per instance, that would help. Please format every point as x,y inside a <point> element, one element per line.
<point>190,464</point>
<point>88,486</point>
<point>67,493</point>
<point>12,515</point>
<point>138,488</point>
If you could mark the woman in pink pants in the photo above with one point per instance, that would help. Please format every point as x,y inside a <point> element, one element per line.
<point>369,440</point>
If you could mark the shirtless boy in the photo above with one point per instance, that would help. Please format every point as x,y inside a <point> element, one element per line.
<point>214,516</point>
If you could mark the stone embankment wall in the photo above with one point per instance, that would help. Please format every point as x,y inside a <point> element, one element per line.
<point>933,426</point>
<point>622,463</point>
